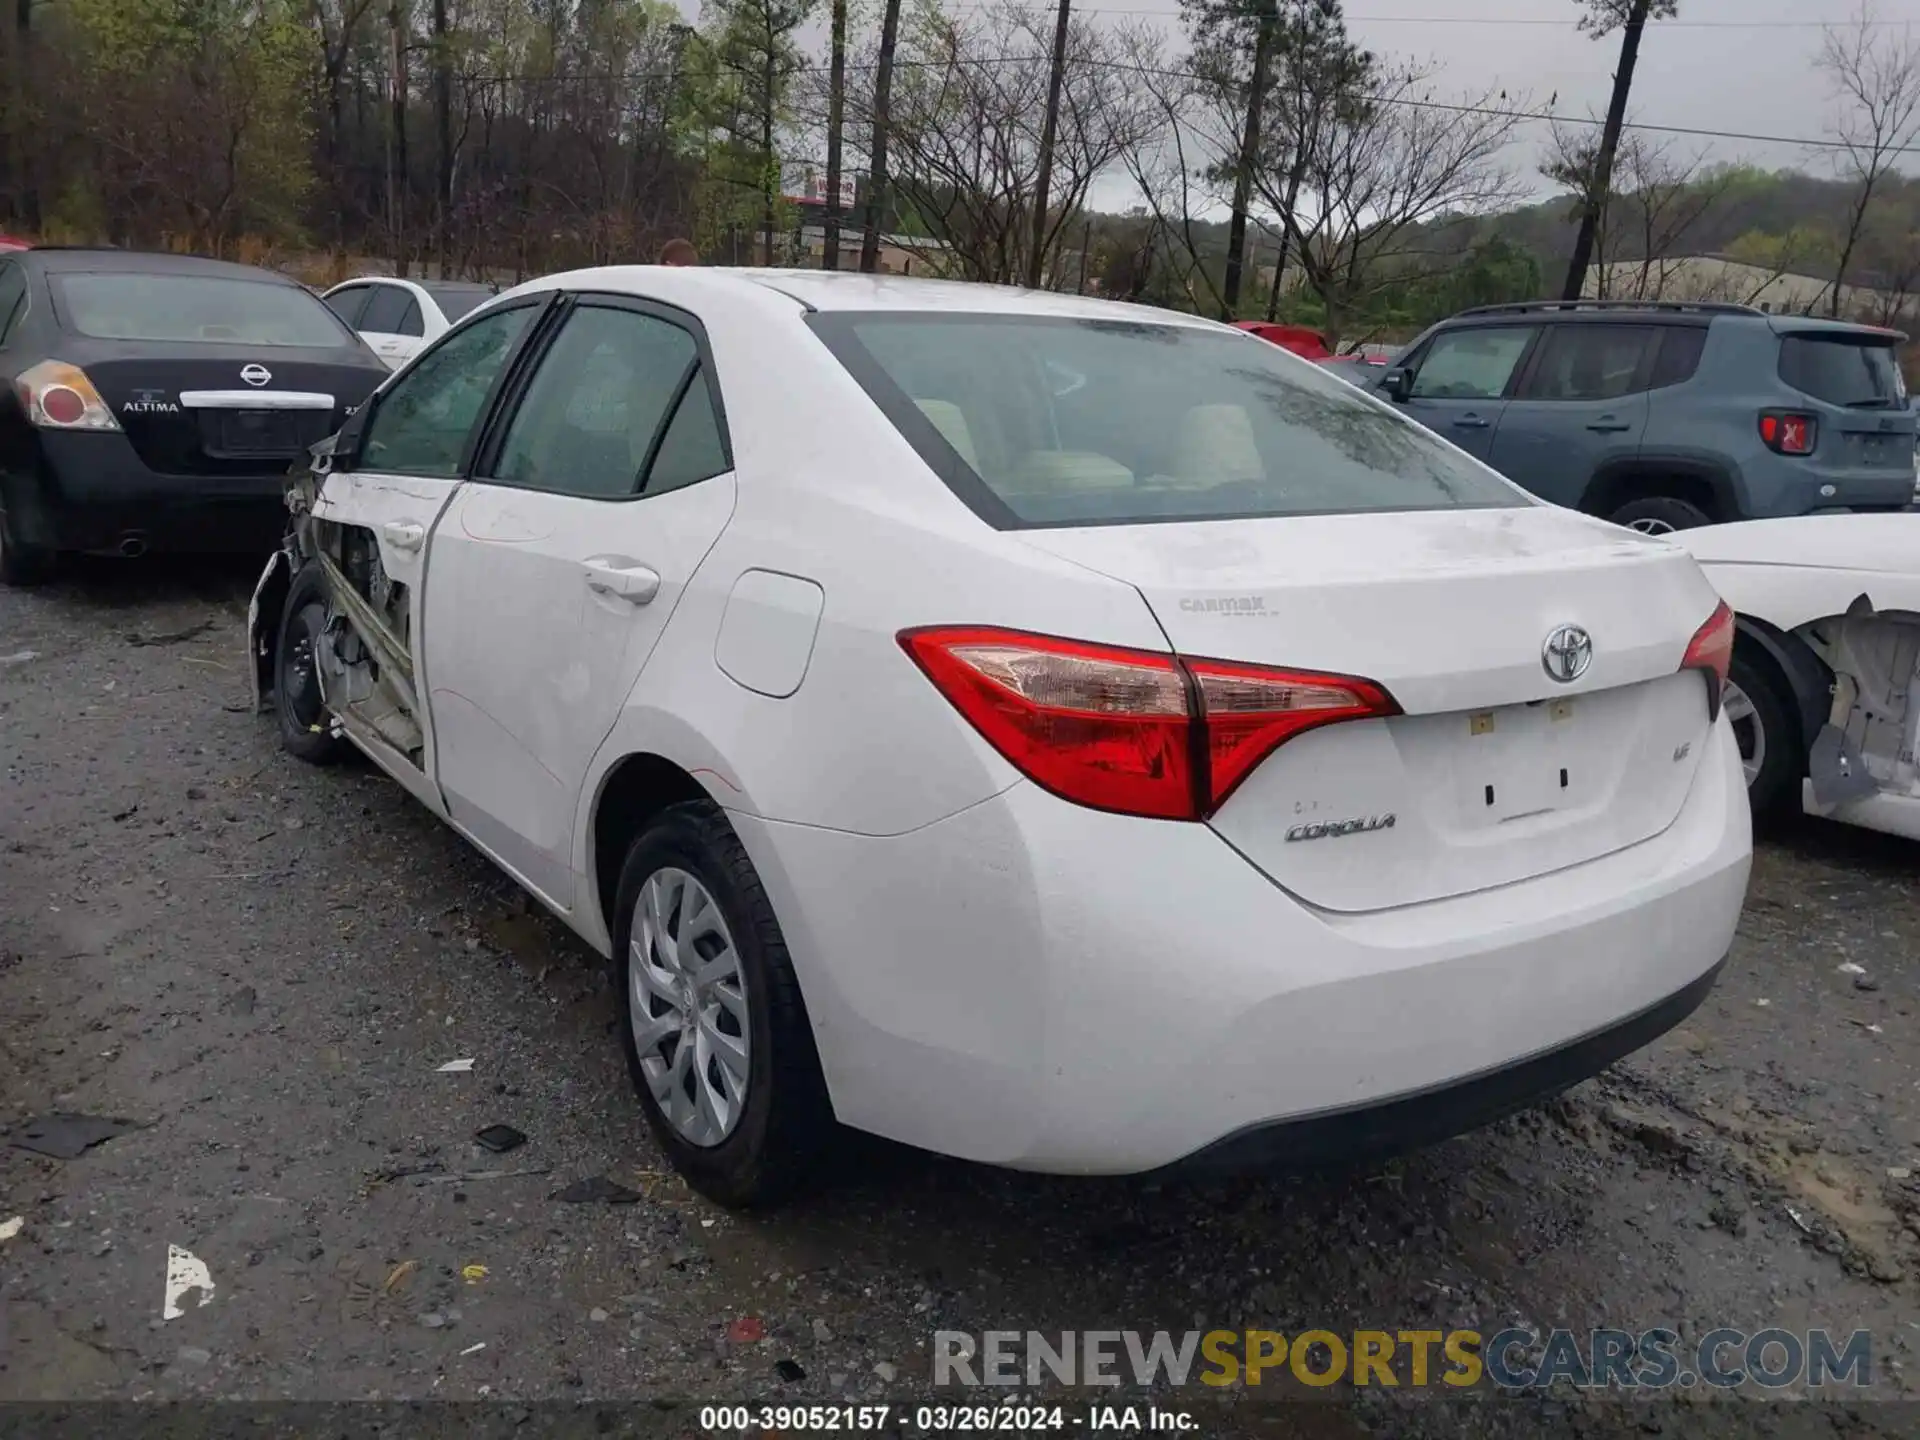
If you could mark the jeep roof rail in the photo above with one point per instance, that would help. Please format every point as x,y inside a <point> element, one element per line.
<point>1699,307</point>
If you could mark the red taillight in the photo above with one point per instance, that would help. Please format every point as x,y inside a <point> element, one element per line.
<point>1711,652</point>
<point>1134,731</point>
<point>58,396</point>
<point>1787,432</point>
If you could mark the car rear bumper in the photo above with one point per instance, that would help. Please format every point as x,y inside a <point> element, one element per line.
<point>1034,984</point>
<point>93,492</point>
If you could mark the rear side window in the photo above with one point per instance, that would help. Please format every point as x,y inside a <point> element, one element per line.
<point>348,304</point>
<point>1473,364</point>
<point>194,309</point>
<point>1857,371</point>
<point>1679,359</point>
<point>1055,421</point>
<point>1590,362</point>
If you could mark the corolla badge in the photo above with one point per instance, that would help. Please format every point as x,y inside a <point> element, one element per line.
<point>1334,829</point>
<point>1567,654</point>
<point>255,374</point>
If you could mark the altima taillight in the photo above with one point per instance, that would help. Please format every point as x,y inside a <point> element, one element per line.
<point>58,396</point>
<point>1711,652</point>
<point>1133,731</point>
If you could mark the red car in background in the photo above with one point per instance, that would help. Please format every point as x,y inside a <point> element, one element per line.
<point>13,242</point>
<point>1302,340</point>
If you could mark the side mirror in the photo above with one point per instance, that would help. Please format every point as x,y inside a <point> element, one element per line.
<point>1396,384</point>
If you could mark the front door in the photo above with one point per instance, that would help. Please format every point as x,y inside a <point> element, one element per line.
<point>1459,385</point>
<point>1580,407</point>
<point>555,570</point>
<point>411,454</point>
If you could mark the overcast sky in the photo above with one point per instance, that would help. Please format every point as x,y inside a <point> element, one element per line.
<point>1727,65</point>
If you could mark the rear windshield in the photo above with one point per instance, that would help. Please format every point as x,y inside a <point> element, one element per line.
<point>1043,421</point>
<point>189,309</point>
<point>457,300</point>
<point>1856,371</point>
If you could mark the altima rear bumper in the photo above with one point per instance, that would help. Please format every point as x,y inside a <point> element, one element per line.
<point>1034,984</point>
<point>93,492</point>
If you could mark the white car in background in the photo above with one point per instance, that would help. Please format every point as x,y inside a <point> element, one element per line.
<point>1065,735</point>
<point>400,318</point>
<point>1825,688</point>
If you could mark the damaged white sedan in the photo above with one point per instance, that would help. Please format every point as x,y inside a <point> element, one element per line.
<point>1058,734</point>
<point>1824,693</point>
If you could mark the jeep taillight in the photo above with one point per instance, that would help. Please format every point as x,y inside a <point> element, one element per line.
<point>1788,432</point>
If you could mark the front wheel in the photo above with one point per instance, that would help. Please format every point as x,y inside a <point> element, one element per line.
<point>306,729</point>
<point>716,1035</point>
<point>1761,711</point>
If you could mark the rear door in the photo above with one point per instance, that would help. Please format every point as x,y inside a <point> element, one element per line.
<point>1581,406</point>
<point>414,448</point>
<point>1864,443</point>
<point>554,572</point>
<point>393,325</point>
<point>1460,382</point>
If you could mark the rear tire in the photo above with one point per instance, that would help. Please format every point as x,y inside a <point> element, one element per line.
<point>306,729</point>
<point>691,900</point>
<point>1772,752</point>
<point>21,564</point>
<point>1660,515</point>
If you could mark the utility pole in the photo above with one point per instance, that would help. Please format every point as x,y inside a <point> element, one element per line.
<point>1600,183</point>
<point>836,116</point>
<point>1249,157</point>
<point>1048,127</point>
<point>882,122</point>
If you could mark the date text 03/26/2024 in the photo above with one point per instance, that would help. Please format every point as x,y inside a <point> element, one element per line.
<point>745,1420</point>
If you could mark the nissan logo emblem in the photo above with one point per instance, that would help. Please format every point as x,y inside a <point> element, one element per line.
<point>1567,654</point>
<point>256,374</point>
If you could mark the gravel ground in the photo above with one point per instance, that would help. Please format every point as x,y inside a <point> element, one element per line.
<point>263,965</point>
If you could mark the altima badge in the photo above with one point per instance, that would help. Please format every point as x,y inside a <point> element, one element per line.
<point>1333,829</point>
<point>1567,654</point>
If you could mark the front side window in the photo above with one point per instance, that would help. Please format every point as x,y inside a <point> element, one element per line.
<point>194,309</point>
<point>1857,371</point>
<point>1471,364</point>
<point>1590,362</point>
<point>1046,421</point>
<point>420,426</point>
<point>587,423</point>
<point>386,313</point>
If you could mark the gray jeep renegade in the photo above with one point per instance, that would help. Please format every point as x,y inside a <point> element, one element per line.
<point>1663,416</point>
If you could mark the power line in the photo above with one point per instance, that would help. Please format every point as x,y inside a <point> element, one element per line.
<point>1402,101</point>
<point>1536,21</point>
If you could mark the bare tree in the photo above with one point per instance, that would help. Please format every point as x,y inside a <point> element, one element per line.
<point>965,142</point>
<point>1875,75</point>
<point>1603,17</point>
<point>882,118</point>
<point>1642,221</point>
<point>1378,170</point>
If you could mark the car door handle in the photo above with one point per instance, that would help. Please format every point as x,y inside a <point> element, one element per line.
<point>1469,422</point>
<point>404,534</point>
<point>636,584</point>
<point>1607,424</point>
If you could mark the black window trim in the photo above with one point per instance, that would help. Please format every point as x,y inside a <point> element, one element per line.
<point>366,294</point>
<point>1641,384</point>
<point>837,331</point>
<point>11,322</point>
<point>485,457</point>
<point>543,302</point>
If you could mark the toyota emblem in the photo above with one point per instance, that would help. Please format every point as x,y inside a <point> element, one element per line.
<point>256,374</point>
<point>1567,654</point>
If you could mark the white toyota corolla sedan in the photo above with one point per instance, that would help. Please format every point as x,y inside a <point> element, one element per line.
<point>1060,734</point>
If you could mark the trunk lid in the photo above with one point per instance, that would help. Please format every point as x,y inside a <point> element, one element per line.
<point>1495,772</point>
<point>228,412</point>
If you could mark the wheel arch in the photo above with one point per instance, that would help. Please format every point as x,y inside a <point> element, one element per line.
<point>1808,680</point>
<point>632,790</point>
<point>1700,482</point>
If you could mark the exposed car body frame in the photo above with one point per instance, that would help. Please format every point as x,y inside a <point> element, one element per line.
<point>1833,602</point>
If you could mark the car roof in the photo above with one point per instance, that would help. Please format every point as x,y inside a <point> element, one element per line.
<point>81,260</point>
<point>852,291</point>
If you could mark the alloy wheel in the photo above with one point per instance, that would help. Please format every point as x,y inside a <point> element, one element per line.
<point>687,993</point>
<point>1648,525</point>
<point>1747,730</point>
